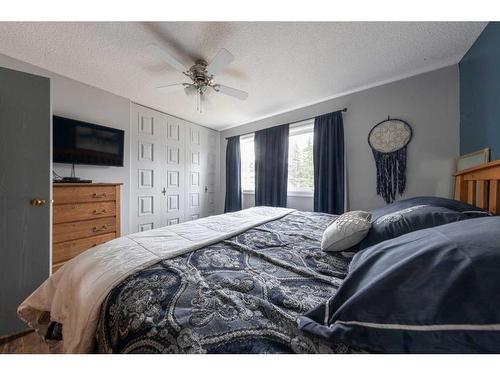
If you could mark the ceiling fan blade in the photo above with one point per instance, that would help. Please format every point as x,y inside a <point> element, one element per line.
<point>167,57</point>
<point>220,61</point>
<point>235,93</point>
<point>173,87</point>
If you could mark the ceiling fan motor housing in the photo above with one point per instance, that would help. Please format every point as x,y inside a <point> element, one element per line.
<point>199,74</point>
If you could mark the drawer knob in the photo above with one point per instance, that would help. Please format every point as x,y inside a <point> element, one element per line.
<point>97,212</point>
<point>100,195</point>
<point>96,229</point>
<point>38,202</point>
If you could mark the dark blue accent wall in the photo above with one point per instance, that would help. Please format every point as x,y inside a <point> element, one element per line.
<point>480,94</point>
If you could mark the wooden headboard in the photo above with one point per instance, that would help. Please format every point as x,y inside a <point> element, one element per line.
<point>480,186</point>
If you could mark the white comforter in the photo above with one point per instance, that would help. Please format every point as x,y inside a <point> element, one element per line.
<point>73,295</point>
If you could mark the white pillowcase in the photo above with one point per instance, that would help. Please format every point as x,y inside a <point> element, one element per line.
<point>346,231</point>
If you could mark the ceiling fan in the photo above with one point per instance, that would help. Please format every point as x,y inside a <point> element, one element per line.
<point>201,75</point>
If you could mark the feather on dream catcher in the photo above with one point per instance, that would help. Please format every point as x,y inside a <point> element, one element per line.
<point>389,140</point>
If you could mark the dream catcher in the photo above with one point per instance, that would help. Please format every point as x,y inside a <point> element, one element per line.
<point>388,141</point>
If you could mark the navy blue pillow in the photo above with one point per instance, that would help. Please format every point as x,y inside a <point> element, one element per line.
<point>412,218</point>
<point>431,291</point>
<point>428,201</point>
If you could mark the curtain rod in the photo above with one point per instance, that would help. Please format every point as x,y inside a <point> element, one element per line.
<point>242,135</point>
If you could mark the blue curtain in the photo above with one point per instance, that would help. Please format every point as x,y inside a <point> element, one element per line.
<point>233,175</point>
<point>271,166</point>
<point>328,150</point>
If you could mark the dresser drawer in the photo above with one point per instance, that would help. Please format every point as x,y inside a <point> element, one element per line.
<point>64,251</point>
<point>65,213</point>
<point>83,229</point>
<point>79,194</point>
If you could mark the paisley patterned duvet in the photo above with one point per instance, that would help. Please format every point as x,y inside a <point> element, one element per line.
<point>241,295</point>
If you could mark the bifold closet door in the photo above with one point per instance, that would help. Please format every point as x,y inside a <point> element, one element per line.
<point>149,149</point>
<point>212,172</point>
<point>202,183</point>
<point>175,170</point>
<point>174,183</point>
<point>195,167</point>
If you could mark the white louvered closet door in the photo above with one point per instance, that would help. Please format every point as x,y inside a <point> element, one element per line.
<point>148,150</point>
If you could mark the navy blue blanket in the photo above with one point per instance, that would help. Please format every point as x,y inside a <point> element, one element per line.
<point>242,295</point>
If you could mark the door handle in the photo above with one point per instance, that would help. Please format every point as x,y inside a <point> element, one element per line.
<point>37,202</point>
<point>164,191</point>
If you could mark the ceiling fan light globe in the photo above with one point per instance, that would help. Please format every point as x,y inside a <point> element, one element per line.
<point>190,90</point>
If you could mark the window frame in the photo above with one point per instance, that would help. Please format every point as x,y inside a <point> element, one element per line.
<point>296,128</point>
<point>247,138</point>
<point>299,128</point>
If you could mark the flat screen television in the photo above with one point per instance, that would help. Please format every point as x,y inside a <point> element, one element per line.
<point>78,142</point>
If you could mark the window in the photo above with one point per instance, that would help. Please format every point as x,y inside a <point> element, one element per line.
<point>247,163</point>
<point>300,160</point>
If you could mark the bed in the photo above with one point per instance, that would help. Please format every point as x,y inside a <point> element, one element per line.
<point>254,281</point>
<point>240,295</point>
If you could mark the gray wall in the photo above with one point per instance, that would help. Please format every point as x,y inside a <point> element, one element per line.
<point>79,101</point>
<point>429,102</point>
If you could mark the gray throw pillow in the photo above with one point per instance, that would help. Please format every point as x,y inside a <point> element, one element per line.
<point>346,231</point>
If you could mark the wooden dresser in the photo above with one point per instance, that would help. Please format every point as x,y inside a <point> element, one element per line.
<point>84,216</point>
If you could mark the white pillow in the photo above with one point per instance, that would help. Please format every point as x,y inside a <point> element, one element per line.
<point>346,231</point>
